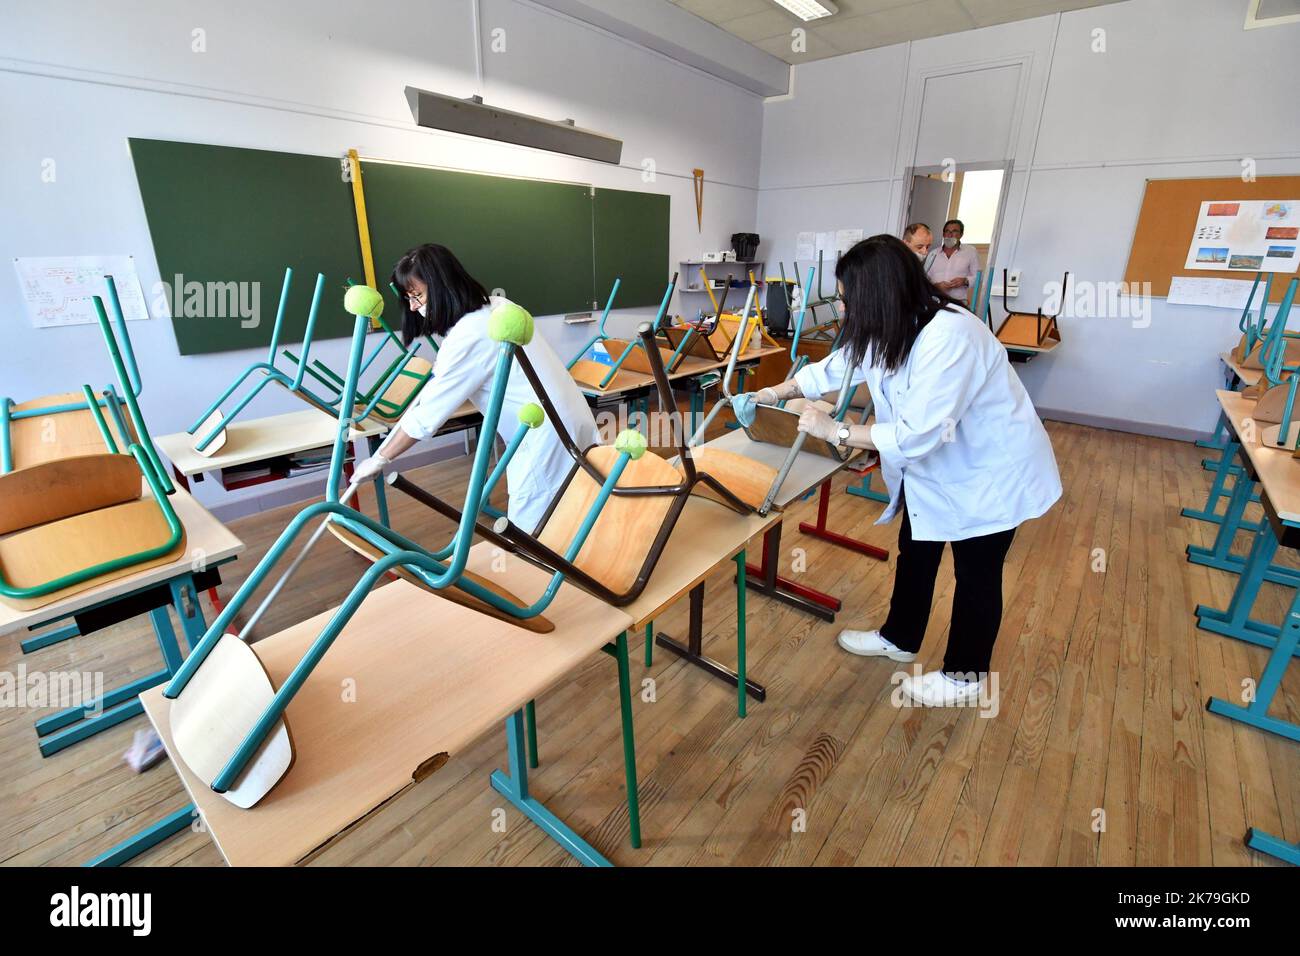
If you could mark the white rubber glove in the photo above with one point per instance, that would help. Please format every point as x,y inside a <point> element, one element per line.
<point>818,424</point>
<point>766,396</point>
<point>369,469</point>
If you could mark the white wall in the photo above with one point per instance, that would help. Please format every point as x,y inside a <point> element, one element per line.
<point>1181,91</point>
<point>79,78</point>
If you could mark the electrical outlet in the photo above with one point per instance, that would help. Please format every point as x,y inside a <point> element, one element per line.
<point>1013,283</point>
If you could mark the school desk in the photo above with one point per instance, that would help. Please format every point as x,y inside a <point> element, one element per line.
<point>808,472</point>
<point>175,586</point>
<point>433,677</point>
<point>1236,377</point>
<point>1278,475</point>
<point>707,536</point>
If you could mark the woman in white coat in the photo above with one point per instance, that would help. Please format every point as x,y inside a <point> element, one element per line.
<point>444,300</point>
<point>962,451</point>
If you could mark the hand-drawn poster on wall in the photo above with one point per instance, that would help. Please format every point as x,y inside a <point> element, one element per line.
<point>1247,236</point>
<point>57,290</point>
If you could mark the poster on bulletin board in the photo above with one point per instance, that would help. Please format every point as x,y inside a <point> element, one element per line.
<point>1246,236</point>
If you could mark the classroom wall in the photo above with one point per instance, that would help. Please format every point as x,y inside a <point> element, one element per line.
<point>318,77</point>
<point>1180,91</point>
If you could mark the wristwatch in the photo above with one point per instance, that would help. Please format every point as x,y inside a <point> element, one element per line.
<point>842,435</point>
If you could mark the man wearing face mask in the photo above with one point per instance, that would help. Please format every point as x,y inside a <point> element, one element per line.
<point>918,238</point>
<point>953,267</point>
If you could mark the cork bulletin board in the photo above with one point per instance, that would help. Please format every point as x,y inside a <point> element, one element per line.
<point>1170,208</point>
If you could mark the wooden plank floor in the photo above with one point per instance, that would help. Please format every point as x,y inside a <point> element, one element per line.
<point>1101,751</point>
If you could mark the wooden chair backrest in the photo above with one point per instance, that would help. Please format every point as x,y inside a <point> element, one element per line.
<point>64,487</point>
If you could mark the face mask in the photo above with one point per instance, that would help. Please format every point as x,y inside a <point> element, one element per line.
<point>424,311</point>
<point>949,242</point>
<point>920,255</point>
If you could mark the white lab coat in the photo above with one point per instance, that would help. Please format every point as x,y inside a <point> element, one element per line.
<point>956,423</point>
<point>463,371</point>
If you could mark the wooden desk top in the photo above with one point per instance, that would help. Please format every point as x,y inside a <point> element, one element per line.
<point>1278,472</point>
<point>431,678</point>
<point>203,533</point>
<point>258,439</point>
<point>808,471</point>
<point>706,535</point>
<point>690,367</point>
<point>1248,375</point>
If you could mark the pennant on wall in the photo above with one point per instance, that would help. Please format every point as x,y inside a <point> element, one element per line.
<point>699,198</point>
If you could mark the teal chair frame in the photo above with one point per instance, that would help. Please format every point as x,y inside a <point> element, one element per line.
<point>437,569</point>
<point>142,450</point>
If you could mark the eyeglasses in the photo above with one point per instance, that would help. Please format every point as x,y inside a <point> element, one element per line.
<point>416,297</point>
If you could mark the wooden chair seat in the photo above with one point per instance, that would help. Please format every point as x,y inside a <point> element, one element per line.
<point>1023,329</point>
<point>538,624</point>
<point>780,426</point>
<point>402,389</point>
<point>61,435</point>
<point>50,551</point>
<point>1272,403</point>
<point>620,540</point>
<point>637,360</point>
<point>747,479</point>
<point>219,707</point>
<point>590,374</point>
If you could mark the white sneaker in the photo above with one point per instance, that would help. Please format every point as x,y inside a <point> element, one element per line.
<point>871,644</point>
<point>937,689</point>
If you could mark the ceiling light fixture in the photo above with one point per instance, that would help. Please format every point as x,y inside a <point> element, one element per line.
<point>807,10</point>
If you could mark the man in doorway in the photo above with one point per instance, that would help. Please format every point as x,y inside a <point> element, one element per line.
<point>918,238</point>
<point>953,267</point>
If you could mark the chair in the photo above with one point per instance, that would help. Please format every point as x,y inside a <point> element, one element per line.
<point>72,522</point>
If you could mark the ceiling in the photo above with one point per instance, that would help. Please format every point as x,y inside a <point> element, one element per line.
<point>865,24</point>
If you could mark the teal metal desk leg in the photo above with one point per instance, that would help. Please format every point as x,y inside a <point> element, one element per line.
<point>1287,852</point>
<point>864,489</point>
<point>1256,714</point>
<point>381,496</point>
<point>1236,621</point>
<point>1216,440</point>
<point>56,636</point>
<point>649,643</point>
<point>1220,556</point>
<point>67,727</point>
<point>1223,469</point>
<point>629,741</point>
<point>530,717</point>
<point>146,839</point>
<point>514,787</point>
<point>741,588</point>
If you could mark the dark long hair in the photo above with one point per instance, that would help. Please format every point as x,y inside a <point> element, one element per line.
<point>889,301</point>
<point>453,292</point>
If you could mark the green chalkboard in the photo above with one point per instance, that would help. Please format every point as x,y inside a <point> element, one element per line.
<point>229,220</point>
<point>528,238</point>
<point>632,244</point>
<point>220,215</point>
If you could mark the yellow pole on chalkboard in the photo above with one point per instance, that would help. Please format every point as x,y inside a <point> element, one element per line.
<point>363,225</point>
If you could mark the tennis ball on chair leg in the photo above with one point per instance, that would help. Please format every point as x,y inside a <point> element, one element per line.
<point>531,415</point>
<point>511,323</point>
<point>631,442</point>
<point>363,300</point>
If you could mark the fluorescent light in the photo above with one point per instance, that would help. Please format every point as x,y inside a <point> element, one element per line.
<point>810,9</point>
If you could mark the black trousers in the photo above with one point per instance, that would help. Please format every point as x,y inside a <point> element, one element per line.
<point>976,603</point>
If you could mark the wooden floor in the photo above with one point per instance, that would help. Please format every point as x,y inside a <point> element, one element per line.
<point>1101,723</point>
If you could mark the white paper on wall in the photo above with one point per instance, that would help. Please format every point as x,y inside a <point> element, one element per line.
<point>1246,236</point>
<point>846,239</point>
<point>1217,293</point>
<point>805,247</point>
<point>57,290</point>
